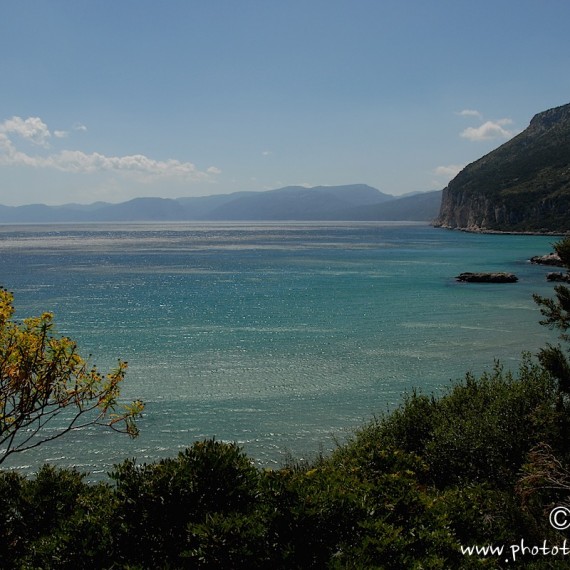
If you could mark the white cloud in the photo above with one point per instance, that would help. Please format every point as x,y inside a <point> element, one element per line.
<point>489,130</point>
<point>470,113</point>
<point>137,164</point>
<point>60,134</point>
<point>79,127</point>
<point>76,161</point>
<point>449,171</point>
<point>32,129</point>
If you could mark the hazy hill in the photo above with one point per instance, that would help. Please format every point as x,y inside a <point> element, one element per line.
<point>349,202</point>
<point>299,203</point>
<point>524,185</point>
<point>138,209</point>
<point>418,207</point>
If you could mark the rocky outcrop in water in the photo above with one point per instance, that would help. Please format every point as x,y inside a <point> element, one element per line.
<point>558,276</point>
<point>487,277</point>
<point>522,186</point>
<point>548,259</point>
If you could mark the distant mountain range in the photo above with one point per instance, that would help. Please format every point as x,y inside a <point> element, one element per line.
<point>354,202</point>
<point>524,185</point>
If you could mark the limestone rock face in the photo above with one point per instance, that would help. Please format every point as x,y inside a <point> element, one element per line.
<point>522,186</point>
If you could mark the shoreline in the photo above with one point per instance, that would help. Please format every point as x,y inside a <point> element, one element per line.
<point>500,232</point>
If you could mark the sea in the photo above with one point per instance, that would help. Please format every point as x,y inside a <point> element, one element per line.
<point>282,337</point>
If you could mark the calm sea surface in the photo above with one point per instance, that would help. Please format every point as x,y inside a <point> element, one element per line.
<point>282,337</point>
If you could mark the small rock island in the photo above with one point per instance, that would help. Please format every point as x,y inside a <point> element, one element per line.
<point>469,277</point>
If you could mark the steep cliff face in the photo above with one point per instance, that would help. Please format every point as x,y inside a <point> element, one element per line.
<point>524,185</point>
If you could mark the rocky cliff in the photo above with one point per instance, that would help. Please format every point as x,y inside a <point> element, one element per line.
<point>524,185</point>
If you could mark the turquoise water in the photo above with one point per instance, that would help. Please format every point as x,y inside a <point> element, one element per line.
<point>282,337</point>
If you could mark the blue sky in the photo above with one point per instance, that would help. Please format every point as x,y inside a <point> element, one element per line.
<point>113,99</point>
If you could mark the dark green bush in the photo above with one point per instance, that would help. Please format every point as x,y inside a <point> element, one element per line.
<point>482,514</point>
<point>55,520</point>
<point>312,513</point>
<point>482,429</point>
<point>230,540</point>
<point>13,541</point>
<point>158,501</point>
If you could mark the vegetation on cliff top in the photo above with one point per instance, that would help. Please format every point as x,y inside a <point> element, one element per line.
<point>524,185</point>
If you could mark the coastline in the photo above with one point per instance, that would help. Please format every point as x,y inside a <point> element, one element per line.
<point>477,230</point>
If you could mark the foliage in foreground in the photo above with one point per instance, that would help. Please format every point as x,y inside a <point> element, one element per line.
<point>44,380</point>
<point>407,492</point>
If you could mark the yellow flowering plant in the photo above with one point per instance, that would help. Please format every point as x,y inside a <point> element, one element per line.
<point>43,377</point>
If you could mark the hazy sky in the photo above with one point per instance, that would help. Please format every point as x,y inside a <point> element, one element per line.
<point>113,99</point>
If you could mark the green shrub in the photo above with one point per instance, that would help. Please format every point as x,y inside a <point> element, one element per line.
<point>230,540</point>
<point>487,426</point>
<point>482,514</point>
<point>481,430</point>
<point>55,520</point>
<point>312,513</point>
<point>157,502</point>
<point>13,540</point>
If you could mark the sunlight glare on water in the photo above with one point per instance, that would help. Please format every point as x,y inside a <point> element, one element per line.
<point>282,337</point>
